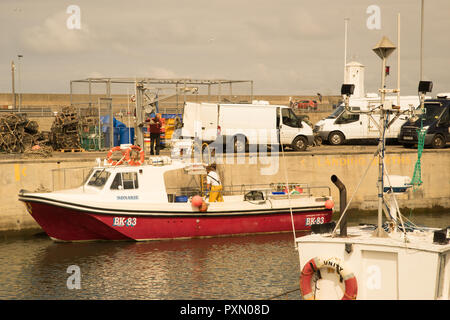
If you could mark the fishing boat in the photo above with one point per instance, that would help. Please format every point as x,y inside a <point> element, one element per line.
<point>393,259</point>
<point>153,199</point>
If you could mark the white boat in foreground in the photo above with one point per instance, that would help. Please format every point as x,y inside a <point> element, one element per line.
<point>391,260</point>
<point>393,267</point>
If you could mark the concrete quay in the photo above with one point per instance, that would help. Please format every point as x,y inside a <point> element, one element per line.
<point>314,167</point>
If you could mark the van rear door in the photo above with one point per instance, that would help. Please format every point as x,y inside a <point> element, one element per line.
<point>200,120</point>
<point>191,120</point>
<point>209,117</point>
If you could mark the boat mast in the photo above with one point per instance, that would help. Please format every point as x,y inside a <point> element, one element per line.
<point>383,49</point>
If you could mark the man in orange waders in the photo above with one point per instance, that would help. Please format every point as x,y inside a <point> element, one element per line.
<point>214,185</point>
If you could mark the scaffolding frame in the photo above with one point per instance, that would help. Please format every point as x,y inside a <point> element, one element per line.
<point>181,88</point>
<point>178,83</point>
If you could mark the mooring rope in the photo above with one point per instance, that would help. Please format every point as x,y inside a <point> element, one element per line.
<point>283,294</point>
<point>289,196</point>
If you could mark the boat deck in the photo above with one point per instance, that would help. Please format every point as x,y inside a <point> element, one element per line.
<point>416,240</point>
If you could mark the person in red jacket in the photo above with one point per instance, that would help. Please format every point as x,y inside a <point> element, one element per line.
<point>155,133</point>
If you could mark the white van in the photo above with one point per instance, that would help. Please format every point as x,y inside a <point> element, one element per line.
<point>242,125</point>
<point>342,125</point>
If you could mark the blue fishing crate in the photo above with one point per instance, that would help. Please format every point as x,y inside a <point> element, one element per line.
<point>181,199</point>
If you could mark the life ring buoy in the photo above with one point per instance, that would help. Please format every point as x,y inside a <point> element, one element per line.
<point>313,265</point>
<point>109,155</point>
<point>133,162</point>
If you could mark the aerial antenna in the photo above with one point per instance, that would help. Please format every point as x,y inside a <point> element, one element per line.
<point>421,39</point>
<point>398,59</point>
<point>345,45</point>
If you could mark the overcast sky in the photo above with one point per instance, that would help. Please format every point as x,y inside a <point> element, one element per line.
<point>286,46</point>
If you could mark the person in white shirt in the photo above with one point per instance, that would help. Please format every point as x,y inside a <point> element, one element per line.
<point>214,184</point>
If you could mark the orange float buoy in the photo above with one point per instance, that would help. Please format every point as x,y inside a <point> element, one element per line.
<point>329,204</point>
<point>197,201</point>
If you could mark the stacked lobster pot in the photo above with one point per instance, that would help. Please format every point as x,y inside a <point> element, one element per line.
<point>65,130</point>
<point>18,133</point>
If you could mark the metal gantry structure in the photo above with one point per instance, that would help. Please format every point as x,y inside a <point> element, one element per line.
<point>149,92</point>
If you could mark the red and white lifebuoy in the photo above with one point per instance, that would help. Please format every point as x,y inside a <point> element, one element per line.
<point>313,265</point>
<point>109,156</point>
<point>131,161</point>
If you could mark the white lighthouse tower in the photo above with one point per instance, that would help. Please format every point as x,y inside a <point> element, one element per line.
<point>354,74</point>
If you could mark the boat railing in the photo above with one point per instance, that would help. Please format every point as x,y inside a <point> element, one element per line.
<point>276,190</point>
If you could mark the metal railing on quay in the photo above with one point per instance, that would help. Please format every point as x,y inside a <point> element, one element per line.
<point>33,111</point>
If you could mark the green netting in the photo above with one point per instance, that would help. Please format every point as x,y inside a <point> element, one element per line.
<point>416,180</point>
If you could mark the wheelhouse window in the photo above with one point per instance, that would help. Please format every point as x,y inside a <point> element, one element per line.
<point>99,178</point>
<point>125,180</point>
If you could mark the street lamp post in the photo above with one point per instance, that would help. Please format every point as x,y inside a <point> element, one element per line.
<point>20,83</point>
<point>13,84</point>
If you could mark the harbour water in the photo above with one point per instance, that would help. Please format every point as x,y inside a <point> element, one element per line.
<point>259,267</point>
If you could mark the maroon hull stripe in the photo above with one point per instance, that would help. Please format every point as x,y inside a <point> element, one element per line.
<point>69,224</point>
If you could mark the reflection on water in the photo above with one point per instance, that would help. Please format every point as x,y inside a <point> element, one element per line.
<point>246,267</point>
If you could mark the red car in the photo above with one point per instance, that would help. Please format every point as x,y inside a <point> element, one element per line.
<point>306,104</point>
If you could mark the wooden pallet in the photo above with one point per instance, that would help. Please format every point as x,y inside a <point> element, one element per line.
<point>72,150</point>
